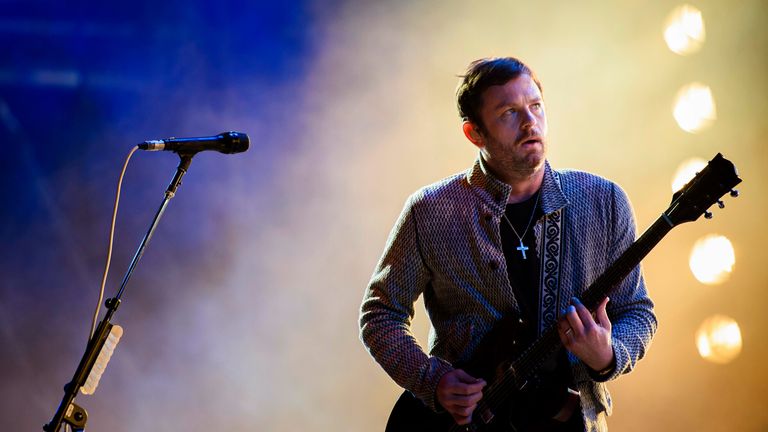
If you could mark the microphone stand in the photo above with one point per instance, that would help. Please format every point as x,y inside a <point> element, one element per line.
<point>69,412</point>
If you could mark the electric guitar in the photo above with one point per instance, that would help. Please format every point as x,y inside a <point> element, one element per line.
<point>513,379</point>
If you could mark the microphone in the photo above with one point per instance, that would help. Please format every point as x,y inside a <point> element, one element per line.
<point>225,142</point>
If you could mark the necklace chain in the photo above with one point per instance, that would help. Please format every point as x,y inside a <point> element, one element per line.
<point>522,248</point>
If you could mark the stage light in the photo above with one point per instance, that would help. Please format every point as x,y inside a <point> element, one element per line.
<point>694,107</point>
<point>684,31</point>
<point>719,339</point>
<point>712,259</point>
<point>686,171</point>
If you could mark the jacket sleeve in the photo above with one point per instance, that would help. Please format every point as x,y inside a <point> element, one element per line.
<point>387,310</point>
<point>630,309</point>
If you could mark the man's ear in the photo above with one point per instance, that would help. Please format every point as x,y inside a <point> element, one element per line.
<point>473,134</point>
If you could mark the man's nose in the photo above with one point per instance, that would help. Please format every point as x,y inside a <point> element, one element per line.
<point>529,120</point>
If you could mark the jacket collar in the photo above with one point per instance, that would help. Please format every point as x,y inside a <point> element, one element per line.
<point>494,192</point>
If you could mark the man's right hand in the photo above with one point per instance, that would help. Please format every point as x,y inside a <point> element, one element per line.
<point>459,393</point>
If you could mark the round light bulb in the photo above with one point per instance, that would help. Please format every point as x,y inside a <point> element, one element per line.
<point>718,339</point>
<point>687,171</point>
<point>694,108</point>
<point>712,259</point>
<point>684,30</point>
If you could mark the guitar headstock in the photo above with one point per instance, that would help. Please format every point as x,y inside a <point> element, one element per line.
<point>715,180</point>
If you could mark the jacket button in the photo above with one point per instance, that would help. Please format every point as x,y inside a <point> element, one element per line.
<point>487,217</point>
<point>494,265</point>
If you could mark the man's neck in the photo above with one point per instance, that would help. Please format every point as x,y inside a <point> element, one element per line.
<point>524,187</point>
<point>524,184</point>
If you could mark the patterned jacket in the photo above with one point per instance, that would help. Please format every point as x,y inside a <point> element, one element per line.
<point>446,246</point>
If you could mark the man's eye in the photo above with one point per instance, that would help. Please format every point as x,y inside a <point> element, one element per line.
<point>510,111</point>
<point>536,106</point>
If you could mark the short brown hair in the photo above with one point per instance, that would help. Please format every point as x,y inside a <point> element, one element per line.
<point>482,74</point>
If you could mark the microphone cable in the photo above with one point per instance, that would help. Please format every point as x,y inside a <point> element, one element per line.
<point>109,248</point>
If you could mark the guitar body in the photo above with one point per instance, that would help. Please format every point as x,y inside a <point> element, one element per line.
<point>531,407</point>
<point>410,414</point>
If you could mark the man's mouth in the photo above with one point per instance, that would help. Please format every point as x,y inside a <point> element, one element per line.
<point>530,141</point>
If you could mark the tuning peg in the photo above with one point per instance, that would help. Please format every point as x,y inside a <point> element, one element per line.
<point>734,193</point>
<point>720,204</point>
<point>708,215</point>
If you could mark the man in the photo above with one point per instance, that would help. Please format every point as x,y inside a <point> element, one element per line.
<point>508,237</point>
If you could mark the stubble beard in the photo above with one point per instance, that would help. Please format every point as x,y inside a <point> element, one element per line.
<point>528,165</point>
<point>513,167</point>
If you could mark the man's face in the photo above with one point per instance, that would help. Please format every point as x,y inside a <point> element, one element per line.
<point>513,140</point>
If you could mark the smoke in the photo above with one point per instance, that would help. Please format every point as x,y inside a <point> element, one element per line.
<point>243,313</point>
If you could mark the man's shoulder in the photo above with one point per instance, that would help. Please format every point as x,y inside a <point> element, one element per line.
<point>450,188</point>
<point>591,189</point>
<point>574,180</point>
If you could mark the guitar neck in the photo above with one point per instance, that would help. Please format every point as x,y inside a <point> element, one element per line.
<point>529,361</point>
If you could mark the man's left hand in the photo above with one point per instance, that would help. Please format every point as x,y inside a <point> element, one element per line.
<point>586,337</point>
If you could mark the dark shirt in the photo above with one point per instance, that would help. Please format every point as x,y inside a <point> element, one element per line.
<point>523,272</point>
